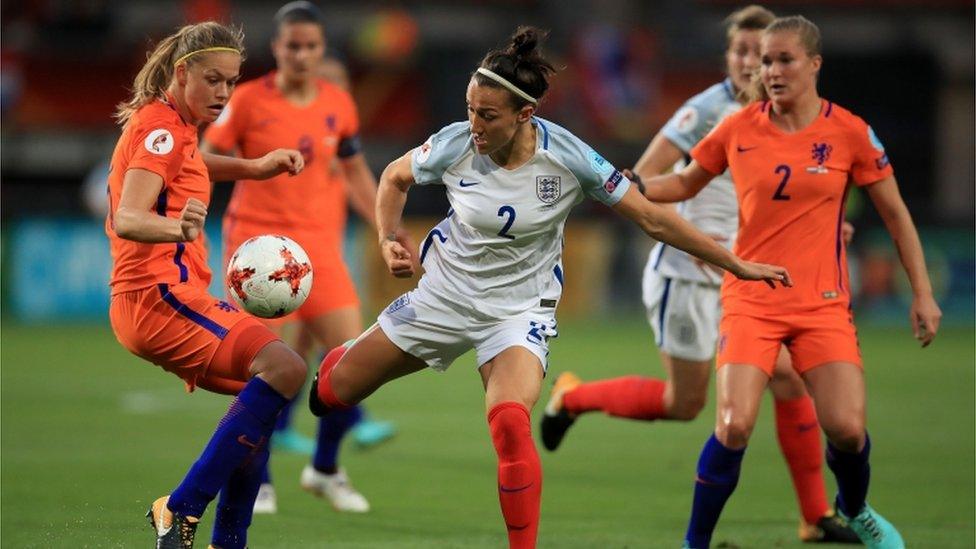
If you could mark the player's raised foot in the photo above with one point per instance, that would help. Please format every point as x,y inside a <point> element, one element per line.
<point>368,433</point>
<point>831,528</point>
<point>555,419</point>
<point>874,531</point>
<point>290,440</point>
<point>314,404</point>
<point>173,530</point>
<point>267,501</point>
<point>336,488</point>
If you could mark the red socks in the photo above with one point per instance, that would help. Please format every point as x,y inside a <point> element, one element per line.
<point>325,392</point>
<point>519,472</point>
<point>799,438</point>
<point>633,397</point>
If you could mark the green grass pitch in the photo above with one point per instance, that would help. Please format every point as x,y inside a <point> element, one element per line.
<point>91,435</point>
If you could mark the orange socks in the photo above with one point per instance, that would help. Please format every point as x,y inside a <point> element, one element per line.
<point>633,397</point>
<point>519,472</point>
<point>799,438</point>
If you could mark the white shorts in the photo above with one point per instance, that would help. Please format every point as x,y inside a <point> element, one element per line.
<point>438,332</point>
<point>683,314</point>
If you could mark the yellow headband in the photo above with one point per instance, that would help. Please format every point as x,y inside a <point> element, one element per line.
<point>215,48</point>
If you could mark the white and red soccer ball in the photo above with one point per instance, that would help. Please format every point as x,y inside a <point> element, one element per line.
<point>269,276</point>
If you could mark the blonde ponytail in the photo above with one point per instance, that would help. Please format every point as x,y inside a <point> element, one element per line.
<point>182,46</point>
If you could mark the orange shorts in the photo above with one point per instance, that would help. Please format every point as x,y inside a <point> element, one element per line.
<point>332,287</point>
<point>813,339</point>
<point>202,339</point>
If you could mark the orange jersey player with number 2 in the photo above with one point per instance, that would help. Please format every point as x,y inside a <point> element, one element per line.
<point>793,157</point>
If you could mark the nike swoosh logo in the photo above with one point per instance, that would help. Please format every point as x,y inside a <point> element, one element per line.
<point>468,184</point>
<point>518,489</point>
<point>804,427</point>
<point>243,440</point>
<point>742,149</point>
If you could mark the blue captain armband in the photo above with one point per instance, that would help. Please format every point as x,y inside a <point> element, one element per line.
<point>349,146</point>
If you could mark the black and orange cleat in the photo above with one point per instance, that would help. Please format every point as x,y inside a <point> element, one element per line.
<point>555,419</point>
<point>831,528</point>
<point>173,530</point>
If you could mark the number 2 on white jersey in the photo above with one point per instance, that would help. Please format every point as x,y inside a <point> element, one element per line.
<point>508,211</point>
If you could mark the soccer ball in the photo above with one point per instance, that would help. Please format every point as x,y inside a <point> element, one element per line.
<point>269,276</point>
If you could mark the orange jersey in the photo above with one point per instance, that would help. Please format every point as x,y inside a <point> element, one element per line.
<point>791,189</point>
<point>158,140</point>
<point>258,120</point>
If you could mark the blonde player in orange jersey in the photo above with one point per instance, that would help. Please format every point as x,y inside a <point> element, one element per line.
<point>793,157</point>
<point>293,107</point>
<point>159,188</point>
<point>681,296</point>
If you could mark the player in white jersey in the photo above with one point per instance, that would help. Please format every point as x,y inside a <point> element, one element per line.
<point>493,267</point>
<point>681,294</point>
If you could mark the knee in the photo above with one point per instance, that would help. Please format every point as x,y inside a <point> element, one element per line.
<point>687,408</point>
<point>846,435</point>
<point>292,371</point>
<point>281,367</point>
<point>733,430</point>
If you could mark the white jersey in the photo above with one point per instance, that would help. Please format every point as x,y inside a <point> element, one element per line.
<point>715,210</point>
<point>500,248</point>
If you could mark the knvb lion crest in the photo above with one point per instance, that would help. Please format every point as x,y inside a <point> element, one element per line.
<point>821,152</point>
<point>548,188</point>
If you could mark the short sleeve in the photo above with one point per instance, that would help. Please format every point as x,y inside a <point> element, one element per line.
<point>597,177</point>
<point>429,161</point>
<point>157,146</point>
<point>710,152</point>
<point>227,131</point>
<point>349,141</point>
<point>687,126</point>
<point>870,162</point>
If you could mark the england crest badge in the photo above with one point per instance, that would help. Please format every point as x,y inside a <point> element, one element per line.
<point>548,188</point>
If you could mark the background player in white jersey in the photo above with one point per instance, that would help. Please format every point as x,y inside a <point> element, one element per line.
<point>493,267</point>
<point>681,295</point>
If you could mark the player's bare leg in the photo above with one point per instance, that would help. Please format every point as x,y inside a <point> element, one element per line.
<point>739,391</point>
<point>686,387</point>
<point>347,377</point>
<point>512,381</point>
<point>838,390</point>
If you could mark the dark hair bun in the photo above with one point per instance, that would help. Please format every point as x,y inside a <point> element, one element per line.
<point>521,63</point>
<point>524,41</point>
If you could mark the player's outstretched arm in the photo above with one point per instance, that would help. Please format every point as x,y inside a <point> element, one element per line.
<point>391,197</point>
<point>677,186</point>
<point>229,168</point>
<point>925,313</point>
<point>134,219</point>
<point>668,227</point>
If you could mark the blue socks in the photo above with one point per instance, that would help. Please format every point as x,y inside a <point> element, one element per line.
<point>718,474</point>
<point>853,473</point>
<point>284,418</point>
<point>332,427</point>
<point>236,505</point>
<point>242,434</point>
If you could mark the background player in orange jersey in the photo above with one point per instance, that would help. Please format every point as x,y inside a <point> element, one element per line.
<point>793,157</point>
<point>159,188</point>
<point>682,299</point>
<point>292,106</point>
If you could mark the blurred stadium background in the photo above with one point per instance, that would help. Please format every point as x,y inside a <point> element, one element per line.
<point>906,66</point>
